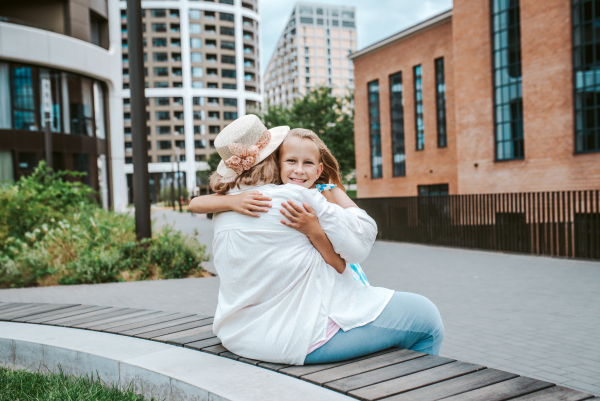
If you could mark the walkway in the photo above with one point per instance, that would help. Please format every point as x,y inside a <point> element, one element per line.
<point>533,316</point>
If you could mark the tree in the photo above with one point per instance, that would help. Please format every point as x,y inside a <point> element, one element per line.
<point>330,117</point>
<point>203,176</point>
<point>213,161</point>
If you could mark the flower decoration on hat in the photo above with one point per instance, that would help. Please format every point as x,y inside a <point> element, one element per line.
<point>245,156</point>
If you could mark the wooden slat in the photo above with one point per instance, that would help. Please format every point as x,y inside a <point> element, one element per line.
<point>19,308</point>
<point>151,327</point>
<point>186,333</point>
<point>94,311</point>
<point>451,387</point>
<point>215,349</point>
<point>9,305</point>
<point>556,393</point>
<point>415,380</point>
<point>140,319</point>
<point>229,355</point>
<point>117,320</point>
<point>34,311</point>
<point>145,323</point>
<point>504,390</point>
<point>175,329</point>
<point>54,314</point>
<point>272,366</point>
<point>191,339</point>
<point>302,370</point>
<point>362,366</point>
<point>248,360</point>
<point>199,345</point>
<point>387,373</point>
<point>101,316</point>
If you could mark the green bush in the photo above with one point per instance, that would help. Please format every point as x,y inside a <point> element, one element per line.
<point>53,232</point>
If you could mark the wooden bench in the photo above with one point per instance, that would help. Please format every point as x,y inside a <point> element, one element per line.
<point>392,374</point>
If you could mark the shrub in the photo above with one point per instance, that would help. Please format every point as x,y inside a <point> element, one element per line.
<point>53,232</point>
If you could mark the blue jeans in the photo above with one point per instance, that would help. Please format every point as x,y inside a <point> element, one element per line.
<point>408,321</point>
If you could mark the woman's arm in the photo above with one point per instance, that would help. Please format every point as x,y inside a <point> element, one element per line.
<point>305,220</point>
<point>244,203</point>
<point>341,198</point>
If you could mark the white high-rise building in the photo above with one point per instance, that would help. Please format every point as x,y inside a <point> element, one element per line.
<point>202,72</point>
<point>312,51</point>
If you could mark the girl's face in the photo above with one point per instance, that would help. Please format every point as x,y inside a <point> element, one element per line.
<point>300,162</point>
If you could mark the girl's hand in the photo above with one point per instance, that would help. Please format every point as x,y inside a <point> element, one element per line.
<point>249,202</point>
<point>302,218</point>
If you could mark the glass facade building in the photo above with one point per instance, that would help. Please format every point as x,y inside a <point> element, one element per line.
<point>506,61</point>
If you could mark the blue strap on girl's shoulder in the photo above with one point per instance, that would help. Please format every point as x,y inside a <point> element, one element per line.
<point>325,187</point>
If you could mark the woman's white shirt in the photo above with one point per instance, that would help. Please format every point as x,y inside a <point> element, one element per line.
<point>276,289</point>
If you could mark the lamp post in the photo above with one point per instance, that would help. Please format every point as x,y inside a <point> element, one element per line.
<point>178,153</point>
<point>47,108</point>
<point>141,183</point>
<point>172,185</point>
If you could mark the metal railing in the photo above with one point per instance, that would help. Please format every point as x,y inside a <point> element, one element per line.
<point>563,224</point>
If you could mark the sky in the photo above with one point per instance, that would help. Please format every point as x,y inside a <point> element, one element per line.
<point>376,19</point>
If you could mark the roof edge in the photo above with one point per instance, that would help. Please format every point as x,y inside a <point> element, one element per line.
<point>421,26</point>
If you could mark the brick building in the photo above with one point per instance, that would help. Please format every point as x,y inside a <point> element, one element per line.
<point>490,97</point>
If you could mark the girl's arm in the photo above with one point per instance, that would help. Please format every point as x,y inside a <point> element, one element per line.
<point>305,220</point>
<point>341,198</point>
<point>245,203</point>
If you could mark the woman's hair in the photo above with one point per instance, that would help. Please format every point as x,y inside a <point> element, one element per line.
<point>266,172</point>
<point>331,168</point>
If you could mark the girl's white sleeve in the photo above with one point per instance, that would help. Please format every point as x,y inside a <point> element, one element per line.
<point>351,231</point>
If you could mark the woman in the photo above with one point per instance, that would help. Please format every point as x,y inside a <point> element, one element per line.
<point>278,297</point>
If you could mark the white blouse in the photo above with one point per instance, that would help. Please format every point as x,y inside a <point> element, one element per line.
<point>276,289</point>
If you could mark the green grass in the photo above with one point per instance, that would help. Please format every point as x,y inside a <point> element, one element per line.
<point>21,385</point>
<point>351,193</point>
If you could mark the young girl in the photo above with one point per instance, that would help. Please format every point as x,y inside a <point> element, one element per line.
<point>304,160</point>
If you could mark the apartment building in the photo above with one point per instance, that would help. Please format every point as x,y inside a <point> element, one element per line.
<point>489,97</point>
<point>60,80</point>
<point>312,51</point>
<point>202,72</point>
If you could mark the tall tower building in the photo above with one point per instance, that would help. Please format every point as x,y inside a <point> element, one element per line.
<point>202,72</point>
<point>312,51</point>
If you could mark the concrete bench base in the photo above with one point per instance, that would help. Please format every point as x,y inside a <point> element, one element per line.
<point>155,369</point>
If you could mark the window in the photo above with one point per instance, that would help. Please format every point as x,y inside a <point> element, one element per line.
<point>175,42</point>
<point>199,129</point>
<point>226,17</point>
<point>586,63</point>
<point>164,159</point>
<point>229,115</point>
<point>307,70</point>
<point>199,115</point>
<point>211,72</point>
<point>227,73</point>
<point>163,115</point>
<point>194,14</point>
<point>161,71</point>
<point>177,71</point>
<point>229,102</point>
<point>198,84</point>
<point>180,144</point>
<point>227,45</point>
<point>319,11</point>
<point>306,50</point>
<point>162,145</point>
<point>209,14</point>
<point>335,22</point>
<point>174,13</point>
<point>248,77</point>
<point>374,129</point>
<point>440,98</point>
<point>433,190</point>
<point>212,144</point>
<point>420,129</point>
<point>213,129</point>
<point>178,101</point>
<point>195,43</point>
<point>159,42</point>
<point>129,160</point>
<point>397,117</point>
<point>319,21</point>
<point>175,56</point>
<point>196,57</point>
<point>159,27</point>
<point>162,101</point>
<point>161,57</point>
<point>306,20</point>
<point>348,24</point>
<point>306,60</point>
<point>230,2</point>
<point>347,14</point>
<point>159,13</point>
<point>175,28</point>
<point>508,102</point>
<point>195,28</point>
<point>213,115</point>
<point>178,115</point>
<point>179,130</point>
<point>197,72</point>
<point>163,130</point>
<point>227,31</point>
<point>161,84</point>
<point>211,44</point>
<point>211,58</point>
<point>307,80</point>
<point>306,10</point>
<point>200,144</point>
<point>213,100</point>
<point>228,59</point>
<point>229,86</point>
<point>198,101</point>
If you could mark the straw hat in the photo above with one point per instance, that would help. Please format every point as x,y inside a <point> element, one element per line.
<point>244,143</point>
